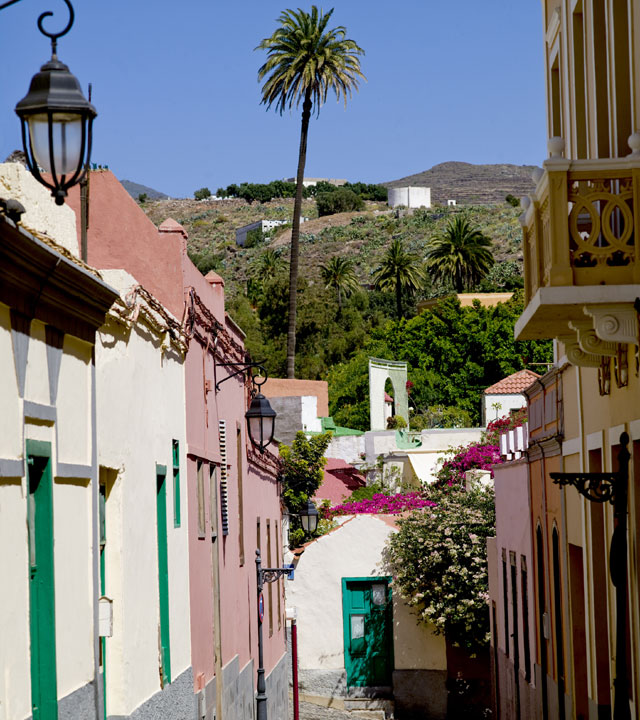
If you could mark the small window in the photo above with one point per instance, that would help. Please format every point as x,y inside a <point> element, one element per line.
<point>378,593</point>
<point>176,483</point>
<point>201,513</point>
<point>213,501</point>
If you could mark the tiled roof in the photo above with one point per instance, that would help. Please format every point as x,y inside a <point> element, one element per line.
<point>514,384</point>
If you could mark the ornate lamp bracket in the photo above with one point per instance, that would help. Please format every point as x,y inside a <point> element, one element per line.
<point>596,487</point>
<point>241,368</point>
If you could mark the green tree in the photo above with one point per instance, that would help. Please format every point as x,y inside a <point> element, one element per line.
<point>399,271</point>
<point>339,274</point>
<point>337,201</point>
<point>461,253</point>
<point>301,473</point>
<point>439,563</point>
<point>202,194</point>
<point>305,61</point>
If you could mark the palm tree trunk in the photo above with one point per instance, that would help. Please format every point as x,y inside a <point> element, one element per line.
<point>398,296</point>
<point>295,238</point>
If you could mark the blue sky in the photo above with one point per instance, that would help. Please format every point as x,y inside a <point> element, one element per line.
<point>175,86</point>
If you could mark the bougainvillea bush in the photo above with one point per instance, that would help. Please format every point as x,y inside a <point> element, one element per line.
<point>469,457</point>
<point>438,559</point>
<point>502,424</point>
<point>380,504</point>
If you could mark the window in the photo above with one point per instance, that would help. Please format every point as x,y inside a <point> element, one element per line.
<point>525,618</point>
<point>200,490</point>
<point>176,483</point>
<point>270,590</point>
<point>505,602</point>
<point>213,501</point>
<point>239,467</point>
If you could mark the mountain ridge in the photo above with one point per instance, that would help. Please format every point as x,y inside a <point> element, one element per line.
<point>467,183</point>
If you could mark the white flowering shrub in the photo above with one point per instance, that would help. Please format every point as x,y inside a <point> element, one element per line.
<point>438,559</point>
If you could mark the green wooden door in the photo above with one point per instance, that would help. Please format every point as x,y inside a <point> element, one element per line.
<point>163,571</point>
<point>42,621</point>
<point>368,631</point>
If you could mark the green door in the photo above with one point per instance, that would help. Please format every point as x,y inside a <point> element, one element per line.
<point>42,621</point>
<point>163,571</point>
<point>368,631</point>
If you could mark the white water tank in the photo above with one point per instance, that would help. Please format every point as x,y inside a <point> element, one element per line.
<point>410,197</point>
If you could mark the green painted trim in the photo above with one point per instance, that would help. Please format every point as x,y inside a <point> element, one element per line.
<point>42,616</point>
<point>38,448</point>
<point>176,483</point>
<point>163,571</point>
<point>346,631</point>
<point>102,499</point>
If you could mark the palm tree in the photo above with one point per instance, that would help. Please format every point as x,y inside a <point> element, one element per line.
<point>339,274</point>
<point>461,253</point>
<point>304,62</point>
<point>269,264</point>
<point>399,270</point>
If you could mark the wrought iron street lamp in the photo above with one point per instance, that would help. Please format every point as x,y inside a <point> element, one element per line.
<point>56,120</point>
<point>260,416</point>
<point>601,488</point>
<point>263,575</point>
<point>309,518</point>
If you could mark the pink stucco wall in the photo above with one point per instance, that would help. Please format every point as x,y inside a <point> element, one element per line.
<point>513,533</point>
<point>121,236</point>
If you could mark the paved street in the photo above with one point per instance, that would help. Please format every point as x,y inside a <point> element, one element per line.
<point>310,711</point>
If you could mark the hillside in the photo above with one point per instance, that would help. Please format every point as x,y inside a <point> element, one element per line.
<point>363,236</point>
<point>471,184</point>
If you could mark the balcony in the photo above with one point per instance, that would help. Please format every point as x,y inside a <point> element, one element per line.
<point>581,244</point>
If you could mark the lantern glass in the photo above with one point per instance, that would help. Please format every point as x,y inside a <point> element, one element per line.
<point>309,518</point>
<point>255,429</point>
<point>267,428</point>
<point>67,141</point>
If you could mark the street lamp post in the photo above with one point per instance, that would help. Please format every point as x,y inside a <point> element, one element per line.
<point>56,119</point>
<point>263,575</point>
<point>601,488</point>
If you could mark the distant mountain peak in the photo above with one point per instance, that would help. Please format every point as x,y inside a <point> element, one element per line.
<point>135,189</point>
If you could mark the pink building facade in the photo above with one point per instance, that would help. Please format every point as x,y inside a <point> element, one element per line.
<point>233,497</point>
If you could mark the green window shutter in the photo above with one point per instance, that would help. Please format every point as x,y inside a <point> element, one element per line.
<point>163,572</point>
<point>42,630</point>
<point>176,484</point>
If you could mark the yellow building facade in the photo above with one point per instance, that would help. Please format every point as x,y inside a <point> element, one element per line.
<point>581,243</point>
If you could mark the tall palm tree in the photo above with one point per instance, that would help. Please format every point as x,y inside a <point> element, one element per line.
<point>462,253</point>
<point>339,274</point>
<point>399,270</point>
<point>304,62</point>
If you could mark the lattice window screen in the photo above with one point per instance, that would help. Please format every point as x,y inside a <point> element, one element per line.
<point>224,492</point>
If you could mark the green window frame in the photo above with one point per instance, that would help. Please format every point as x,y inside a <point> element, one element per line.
<point>176,483</point>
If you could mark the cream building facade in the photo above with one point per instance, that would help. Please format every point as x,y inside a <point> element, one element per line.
<point>581,242</point>
<point>50,308</point>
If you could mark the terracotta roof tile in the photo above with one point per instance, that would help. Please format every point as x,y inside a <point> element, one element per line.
<point>514,384</point>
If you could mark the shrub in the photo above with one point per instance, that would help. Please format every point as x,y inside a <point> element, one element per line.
<point>202,194</point>
<point>396,422</point>
<point>142,198</point>
<point>340,200</point>
<point>512,200</point>
<point>438,559</point>
<point>440,416</point>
